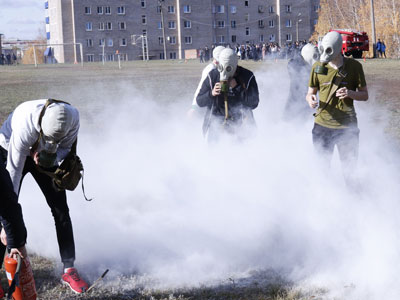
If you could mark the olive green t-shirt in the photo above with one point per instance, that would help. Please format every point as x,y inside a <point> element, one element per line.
<point>339,113</point>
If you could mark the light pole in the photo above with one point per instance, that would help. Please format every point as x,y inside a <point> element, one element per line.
<point>297,26</point>
<point>1,47</point>
<point>373,29</point>
<point>163,28</point>
<point>297,30</point>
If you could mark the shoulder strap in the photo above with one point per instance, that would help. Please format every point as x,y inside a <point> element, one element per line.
<point>335,86</point>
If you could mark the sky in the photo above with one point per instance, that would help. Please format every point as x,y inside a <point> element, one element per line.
<point>22,19</point>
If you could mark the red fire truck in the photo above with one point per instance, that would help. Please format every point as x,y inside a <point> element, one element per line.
<point>354,42</point>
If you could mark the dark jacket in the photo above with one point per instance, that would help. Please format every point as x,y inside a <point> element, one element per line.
<point>10,211</point>
<point>241,99</point>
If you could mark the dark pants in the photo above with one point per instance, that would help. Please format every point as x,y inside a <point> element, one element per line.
<point>346,141</point>
<point>57,201</point>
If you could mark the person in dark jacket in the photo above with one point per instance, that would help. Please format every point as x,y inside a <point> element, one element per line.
<point>230,93</point>
<point>14,231</point>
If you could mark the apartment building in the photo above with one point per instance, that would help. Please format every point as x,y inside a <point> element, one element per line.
<point>99,30</point>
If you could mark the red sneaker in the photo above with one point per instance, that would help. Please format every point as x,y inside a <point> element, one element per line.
<point>74,281</point>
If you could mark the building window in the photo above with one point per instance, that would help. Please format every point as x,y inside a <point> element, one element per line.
<point>316,8</point>
<point>272,38</point>
<point>171,24</point>
<point>261,38</point>
<point>102,42</point>
<point>100,10</point>
<point>288,8</point>
<point>89,43</point>
<point>110,43</point>
<point>172,39</point>
<point>90,57</point>
<point>122,42</point>
<point>221,39</point>
<point>246,3</point>
<point>144,20</point>
<point>110,57</point>
<point>271,10</point>
<point>187,9</point>
<point>143,3</point>
<point>233,24</point>
<point>246,17</point>
<point>159,25</point>
<point>247,30</point>
<point>88,10</point>
<point>233,9</point>
<point>101,26</point>
<point>162,55</point>
<point>315,21</point>
<point>89,26</point>
<point>122,25</point>
<point>172,55</point>
<point>107,10</point>
<point>144,32</point>
<point>187,24</point>
<point>271,23</point>
<point>171,9</point>
<point>288,23</point>
<point>260,9</point>
<point>260,23</point>
<point>188,39</point>
<point>121,10</point>
<point>233,38</point>
<point>159,9</point>
<point>221,24</point>
<point>160,40</point>
<point>109,26</point>
<point>220,9</point>
<point>289,37</point>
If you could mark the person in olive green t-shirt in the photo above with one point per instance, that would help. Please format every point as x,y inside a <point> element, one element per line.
<point>336,119</point>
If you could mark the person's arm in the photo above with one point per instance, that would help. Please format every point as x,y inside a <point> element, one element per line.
<point>361,94</point>
<point>14,231</point>
<point>205,96</point>
<point>311,97</point>
<point>252,98</point>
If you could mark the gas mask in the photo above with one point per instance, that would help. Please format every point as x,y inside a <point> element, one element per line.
<point>227,65</point>
<point>216,52</point>
<point>228,61</point>
<point>48,154</point>
<point>329,49</point>
<point>56,122</point>
<point>310,54</point>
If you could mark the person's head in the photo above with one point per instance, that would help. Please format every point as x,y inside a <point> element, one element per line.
<point>216,52</point>
<point>56,123</point>
<point>228,61</point>
<point>310,54</point>
<point>330,47</point>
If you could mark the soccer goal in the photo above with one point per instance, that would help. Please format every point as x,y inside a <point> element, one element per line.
<point>51,52</point>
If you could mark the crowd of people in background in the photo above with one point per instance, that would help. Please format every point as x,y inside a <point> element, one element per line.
<point>258,52</point>
<point>8,59</point>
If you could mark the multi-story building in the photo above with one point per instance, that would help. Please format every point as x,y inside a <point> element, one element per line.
<point>101,29</point>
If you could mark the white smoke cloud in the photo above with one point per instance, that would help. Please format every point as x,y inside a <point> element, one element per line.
<point>172,208</point>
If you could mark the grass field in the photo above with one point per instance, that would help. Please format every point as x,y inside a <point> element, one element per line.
<point>165,81</point>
